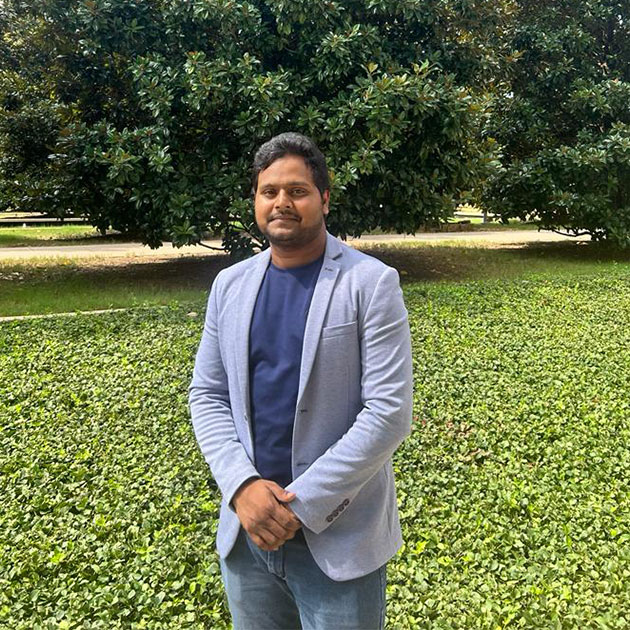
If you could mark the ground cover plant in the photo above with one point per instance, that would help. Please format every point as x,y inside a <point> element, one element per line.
<point>513,487</point>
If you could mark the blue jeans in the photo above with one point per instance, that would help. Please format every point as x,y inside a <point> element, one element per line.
<point>286,590</point>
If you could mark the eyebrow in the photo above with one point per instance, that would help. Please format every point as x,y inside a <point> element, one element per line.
<point>294,183</point>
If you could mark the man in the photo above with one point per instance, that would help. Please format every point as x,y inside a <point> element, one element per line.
<point>301,393</point>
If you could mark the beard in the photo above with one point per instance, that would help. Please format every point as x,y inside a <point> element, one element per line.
<point>296,237</point>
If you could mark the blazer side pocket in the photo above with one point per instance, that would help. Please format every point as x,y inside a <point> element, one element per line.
<point>339,330</point>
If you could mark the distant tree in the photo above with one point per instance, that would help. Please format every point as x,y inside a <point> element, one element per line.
<point>29,115</point>
<point>564,122</point>
<point>146,113</point>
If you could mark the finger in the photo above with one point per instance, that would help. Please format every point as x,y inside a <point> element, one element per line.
<point>261,544</point>
<point>290,535</point>
<point>289,518</point>
<point>275,529</point>
<point>280,493</point>
<point>269,542</point>
<point>275,534</point>
<point>285,519</point>
<point>270,530</point>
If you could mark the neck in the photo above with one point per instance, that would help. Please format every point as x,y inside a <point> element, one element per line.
<point>286,257</point>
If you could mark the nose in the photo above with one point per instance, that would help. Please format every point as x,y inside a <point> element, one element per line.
<point>283,200</point>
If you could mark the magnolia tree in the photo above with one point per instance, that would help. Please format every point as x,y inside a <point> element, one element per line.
<point>148,112</point>
<point>564,119</point>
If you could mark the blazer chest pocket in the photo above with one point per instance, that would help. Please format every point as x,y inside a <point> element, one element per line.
<point>349,328</point>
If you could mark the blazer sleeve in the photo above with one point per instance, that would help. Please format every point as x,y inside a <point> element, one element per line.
<point>336,477</point>
<point>211,411</point>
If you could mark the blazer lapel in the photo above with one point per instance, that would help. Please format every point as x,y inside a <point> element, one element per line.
<point>318,309</point>
<point>247,301</point>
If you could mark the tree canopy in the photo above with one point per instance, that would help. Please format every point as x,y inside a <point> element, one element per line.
<point>563,121</point>
<point>144,115</point>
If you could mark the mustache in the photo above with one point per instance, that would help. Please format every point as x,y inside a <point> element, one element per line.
<point>283,215</point>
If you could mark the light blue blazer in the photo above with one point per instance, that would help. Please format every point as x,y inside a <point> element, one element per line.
<point>353,407</point>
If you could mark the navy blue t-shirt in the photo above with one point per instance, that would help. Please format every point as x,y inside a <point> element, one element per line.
<point>275,353</point>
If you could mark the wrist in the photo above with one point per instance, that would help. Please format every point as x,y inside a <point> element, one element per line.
<point>239,493</point>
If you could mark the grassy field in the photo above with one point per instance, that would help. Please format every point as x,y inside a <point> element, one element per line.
<point>52,235</point>
<point>63,285</point>
<point>477,223</point>
<point>514,487</point>
<point>67,285</point>
<point>81,234</point>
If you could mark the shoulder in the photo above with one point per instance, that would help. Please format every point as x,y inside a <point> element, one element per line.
<point>364,283</point>
<point>365,270</point>
<point>355,256</point>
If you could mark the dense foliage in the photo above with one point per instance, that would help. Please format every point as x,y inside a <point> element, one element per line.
<point>513,487</point>
<point>564,119</point>
<point>144,114</point>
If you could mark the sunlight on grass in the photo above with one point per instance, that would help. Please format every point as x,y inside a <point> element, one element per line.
<point>66,285</point>
<point>48,235</point>
<point>62,285</point>
<point>451,261</point>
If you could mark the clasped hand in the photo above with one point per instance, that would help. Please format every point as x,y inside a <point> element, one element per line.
<point>260,507</point>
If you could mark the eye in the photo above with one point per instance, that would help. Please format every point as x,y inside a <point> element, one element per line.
<point>268,192</point>
<point>298,192</point>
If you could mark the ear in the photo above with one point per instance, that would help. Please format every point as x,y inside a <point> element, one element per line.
<point>326,199</point>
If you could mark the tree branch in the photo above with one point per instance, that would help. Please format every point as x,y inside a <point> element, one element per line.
<point>572,235</point>
<point>218,249</point>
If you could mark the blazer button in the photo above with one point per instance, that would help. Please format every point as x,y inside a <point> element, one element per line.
<point>329,518</point>
<point>342,507</point>
<point>346,502</point>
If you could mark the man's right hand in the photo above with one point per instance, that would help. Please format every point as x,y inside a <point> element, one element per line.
<point>259,506</point>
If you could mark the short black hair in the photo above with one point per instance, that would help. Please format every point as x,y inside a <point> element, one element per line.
<point>291,143</point>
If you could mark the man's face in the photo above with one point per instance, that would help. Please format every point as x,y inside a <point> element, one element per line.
<point>289,208</point>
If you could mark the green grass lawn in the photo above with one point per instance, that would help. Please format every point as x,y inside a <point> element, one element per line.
<point>514,487</point>
<point>52,235</point>
<point>54,285</point>
<point>57,286</point>
<point>82,234</point>
<point>477,223</point>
